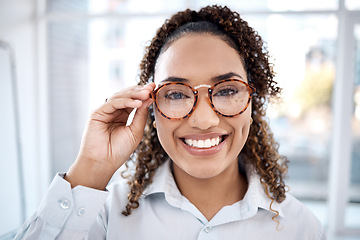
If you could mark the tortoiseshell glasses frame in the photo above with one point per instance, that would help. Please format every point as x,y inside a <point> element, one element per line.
<point>250,90</point>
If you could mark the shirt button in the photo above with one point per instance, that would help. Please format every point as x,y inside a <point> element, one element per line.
<point>207,229</point>
<point>81,212</point>
<point>64,204</point>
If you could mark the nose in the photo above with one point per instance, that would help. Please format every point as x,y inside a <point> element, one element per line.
<point>203,116</point>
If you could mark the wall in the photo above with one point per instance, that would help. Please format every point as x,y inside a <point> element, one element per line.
<point>19,28</point>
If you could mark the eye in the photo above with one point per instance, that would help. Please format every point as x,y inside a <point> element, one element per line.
<point>226,92</point>
<point>175,95</point>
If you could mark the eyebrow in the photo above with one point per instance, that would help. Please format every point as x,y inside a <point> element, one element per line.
<point>174,79</point>
<point>226,76</point>
<point>213,79</point>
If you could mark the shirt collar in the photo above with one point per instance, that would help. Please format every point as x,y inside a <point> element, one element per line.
<point>255,197</point>
<point>256,193</point>
<point>163,181</point>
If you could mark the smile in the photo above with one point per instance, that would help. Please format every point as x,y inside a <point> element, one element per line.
<point>205,143</point>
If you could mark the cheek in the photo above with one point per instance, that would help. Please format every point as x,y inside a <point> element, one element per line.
<point>242,125</point>
<point>242,128</point>
<point>164,129</point>
<point>245,131</point>
<point>159,125</point>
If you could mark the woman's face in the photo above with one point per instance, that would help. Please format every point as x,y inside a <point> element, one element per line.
<point>202,59</point>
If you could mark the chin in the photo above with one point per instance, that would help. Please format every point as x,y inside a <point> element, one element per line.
<point>203,170</point>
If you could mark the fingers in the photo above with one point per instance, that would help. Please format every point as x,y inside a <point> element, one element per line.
<point>120,103</point>
<point>125,101</point>
<point>134,92</point>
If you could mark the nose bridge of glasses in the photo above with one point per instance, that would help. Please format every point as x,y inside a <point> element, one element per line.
<point>201,86</point>
<point>207,97</point>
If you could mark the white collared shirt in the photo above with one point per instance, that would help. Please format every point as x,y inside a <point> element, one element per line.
<point>80,213</point>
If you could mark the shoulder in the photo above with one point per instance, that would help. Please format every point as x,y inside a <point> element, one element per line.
<point>115,203</point>
<point>293,208</point>
<point>119,191</point>
<point>298,216</point>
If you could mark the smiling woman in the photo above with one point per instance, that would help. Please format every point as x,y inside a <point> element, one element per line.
<point>210,165</point>
<point>200,58</point>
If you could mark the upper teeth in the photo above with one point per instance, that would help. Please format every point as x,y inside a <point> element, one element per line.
<point>203,143</point>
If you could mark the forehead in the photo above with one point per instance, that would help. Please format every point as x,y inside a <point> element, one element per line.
<point>198,58</point>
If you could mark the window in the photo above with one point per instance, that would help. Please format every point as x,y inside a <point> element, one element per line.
<point>302,120</point>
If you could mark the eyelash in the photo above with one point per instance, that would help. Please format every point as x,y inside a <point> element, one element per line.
<point>172,93</point>
<point>233,91</point>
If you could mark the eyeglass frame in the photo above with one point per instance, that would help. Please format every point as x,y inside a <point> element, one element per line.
<point>251,92</point>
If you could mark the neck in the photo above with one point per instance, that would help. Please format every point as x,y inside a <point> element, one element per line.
<point>211,194</point>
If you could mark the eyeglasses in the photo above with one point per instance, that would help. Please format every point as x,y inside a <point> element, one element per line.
<point>177,100</point>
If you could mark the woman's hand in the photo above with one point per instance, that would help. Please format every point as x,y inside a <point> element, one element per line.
<point>107,142</point>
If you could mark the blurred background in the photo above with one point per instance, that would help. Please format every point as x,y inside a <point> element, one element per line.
<point>59,60</point>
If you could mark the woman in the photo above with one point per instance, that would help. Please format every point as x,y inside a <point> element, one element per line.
<point>205,162</point>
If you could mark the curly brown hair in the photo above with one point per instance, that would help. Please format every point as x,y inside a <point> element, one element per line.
<point>260,150</point>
